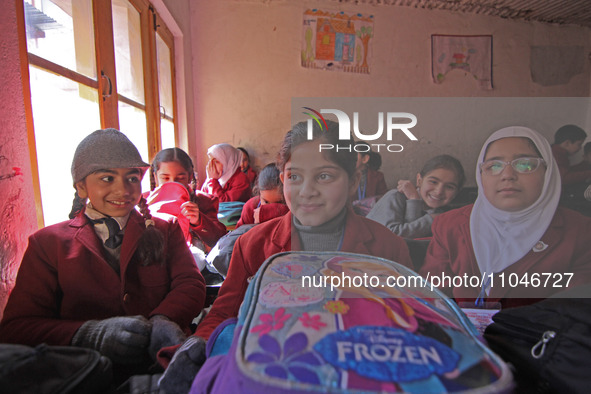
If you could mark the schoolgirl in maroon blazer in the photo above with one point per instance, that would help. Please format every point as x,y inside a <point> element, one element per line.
<point>270,202</point>
<point>110,279</point>
<point>515,229</point>
<point>200,212</point>
<point>317,186</point>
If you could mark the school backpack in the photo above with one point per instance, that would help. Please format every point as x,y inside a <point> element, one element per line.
<point>347,323</point>
<point>218,258</point>
<point>548,343</point>
<point>229,213</point>
<point>53,370</point>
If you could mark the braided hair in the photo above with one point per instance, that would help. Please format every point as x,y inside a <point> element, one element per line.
<point>77,204</point>
<point>151,244</point>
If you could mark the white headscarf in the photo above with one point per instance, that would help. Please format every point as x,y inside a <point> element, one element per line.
<point>230,158</point>
<point>501,238</point>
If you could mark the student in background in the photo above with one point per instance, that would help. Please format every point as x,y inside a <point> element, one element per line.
<point>110,279</point>
<point>410,209</point>
<point>585,164</point>
<point>268,205</point>
<point>372,182</point>
<point>197,211</point>
<point>270,202</point>
<point>225,180</point>
<point>567,141</point>
<point>246,168</point>
<point>514,229</point>
<point>317,186</point>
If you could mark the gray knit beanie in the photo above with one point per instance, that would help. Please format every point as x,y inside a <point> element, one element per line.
<point>102,149</point>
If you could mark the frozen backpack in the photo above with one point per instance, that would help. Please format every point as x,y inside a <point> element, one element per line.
<point>347,323</point>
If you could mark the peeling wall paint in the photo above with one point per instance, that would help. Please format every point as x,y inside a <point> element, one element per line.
<point>17,208</point>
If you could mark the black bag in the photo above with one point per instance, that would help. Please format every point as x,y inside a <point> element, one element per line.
<point>53,369</point>
<point>220,255</point>
<point>548,343</point>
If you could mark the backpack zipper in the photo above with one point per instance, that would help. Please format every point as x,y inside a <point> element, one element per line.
<point>519,329</point>
<point>547,336</point>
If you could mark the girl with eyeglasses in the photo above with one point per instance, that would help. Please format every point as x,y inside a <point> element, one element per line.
<point>514,230</point>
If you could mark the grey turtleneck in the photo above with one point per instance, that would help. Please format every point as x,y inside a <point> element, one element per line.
<point>325,237</point>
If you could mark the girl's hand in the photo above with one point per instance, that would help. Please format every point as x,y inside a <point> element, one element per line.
<point>257,214</point>
<point>409,190</point>
<point>191,211</point>
<point>212,170</point>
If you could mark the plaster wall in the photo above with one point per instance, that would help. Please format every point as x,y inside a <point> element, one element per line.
<point>246,70</point>
<point>17,208</point>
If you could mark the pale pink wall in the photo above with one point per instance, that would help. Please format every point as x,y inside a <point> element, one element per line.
<point>179,11</point>
<point>246,68</point>
<point>17,209</point>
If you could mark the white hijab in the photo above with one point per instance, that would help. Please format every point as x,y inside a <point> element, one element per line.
<point>501,238</point>
<point>229,156</point>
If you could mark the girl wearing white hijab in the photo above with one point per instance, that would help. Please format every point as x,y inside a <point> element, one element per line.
<point>225,180</point>
<point>515,231</point>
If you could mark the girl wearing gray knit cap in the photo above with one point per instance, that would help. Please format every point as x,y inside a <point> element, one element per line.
<point>111,278</point>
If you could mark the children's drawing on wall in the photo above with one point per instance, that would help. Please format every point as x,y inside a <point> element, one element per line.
<point>471,54</point>
<point>337,41</point>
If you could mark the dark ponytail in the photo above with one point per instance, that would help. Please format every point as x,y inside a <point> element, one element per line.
<point>151,244</point>
<point>268,179</point>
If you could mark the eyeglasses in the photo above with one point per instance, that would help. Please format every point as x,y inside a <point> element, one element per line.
<point>523,165</point>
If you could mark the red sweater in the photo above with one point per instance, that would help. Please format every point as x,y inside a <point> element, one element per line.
<point>568,174</point>
<point>266,213</point>
<point>236,189</point>
<point>251,175</point>
<point>208,229</point>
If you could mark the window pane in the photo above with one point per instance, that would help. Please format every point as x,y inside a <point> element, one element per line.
<point>167,134</point>
<point>61,31</point>
<point>64,113</point>
<point>132,122</point>
<point>164,77</point>
<point>128,51</point>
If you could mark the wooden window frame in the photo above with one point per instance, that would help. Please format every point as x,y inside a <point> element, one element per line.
<point>106,83</point>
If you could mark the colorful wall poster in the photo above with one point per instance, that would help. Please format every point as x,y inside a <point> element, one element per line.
<point>337,41</point>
